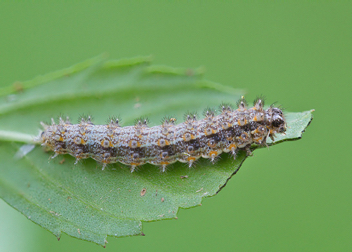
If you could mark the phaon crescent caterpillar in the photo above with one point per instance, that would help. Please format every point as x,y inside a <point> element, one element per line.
<point>229,131</point>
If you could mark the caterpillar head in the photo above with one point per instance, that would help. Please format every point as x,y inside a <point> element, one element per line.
<point>278,122</point>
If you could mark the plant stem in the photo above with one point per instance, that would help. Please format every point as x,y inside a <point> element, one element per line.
<point>13,136</point>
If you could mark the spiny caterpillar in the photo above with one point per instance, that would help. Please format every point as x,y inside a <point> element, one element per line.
<point>230,131</point>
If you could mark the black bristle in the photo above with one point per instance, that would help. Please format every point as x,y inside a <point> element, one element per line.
<point>141,121</point>
<point>83,117</point>
<point>209,112</point>
<point>260,97</point>
<point>190,116</point>
<point>167,120</point>
<point>242,100</point>
<point>225,107</point>
<point>115,119</point>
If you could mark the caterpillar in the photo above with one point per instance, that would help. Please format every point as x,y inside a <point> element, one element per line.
<point>229,131</point>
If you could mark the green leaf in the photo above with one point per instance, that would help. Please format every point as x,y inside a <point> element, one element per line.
<point>82,200</point>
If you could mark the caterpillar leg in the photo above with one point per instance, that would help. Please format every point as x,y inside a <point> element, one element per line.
<point>248,150</point>
<point>163,168</point>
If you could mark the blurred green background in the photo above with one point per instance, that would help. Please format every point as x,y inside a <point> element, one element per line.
<point>293,197</point>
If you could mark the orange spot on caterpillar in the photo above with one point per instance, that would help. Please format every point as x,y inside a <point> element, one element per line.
<point>134,144</point>
<point>258,139</point>
<point>226,125</point>
<point>232,146</point>
<point>242,122</point>
<point>187,137</point>
<point>255,131</point>
<point>213,153</point>
<point>163,142</point>
<point>105,143</point>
